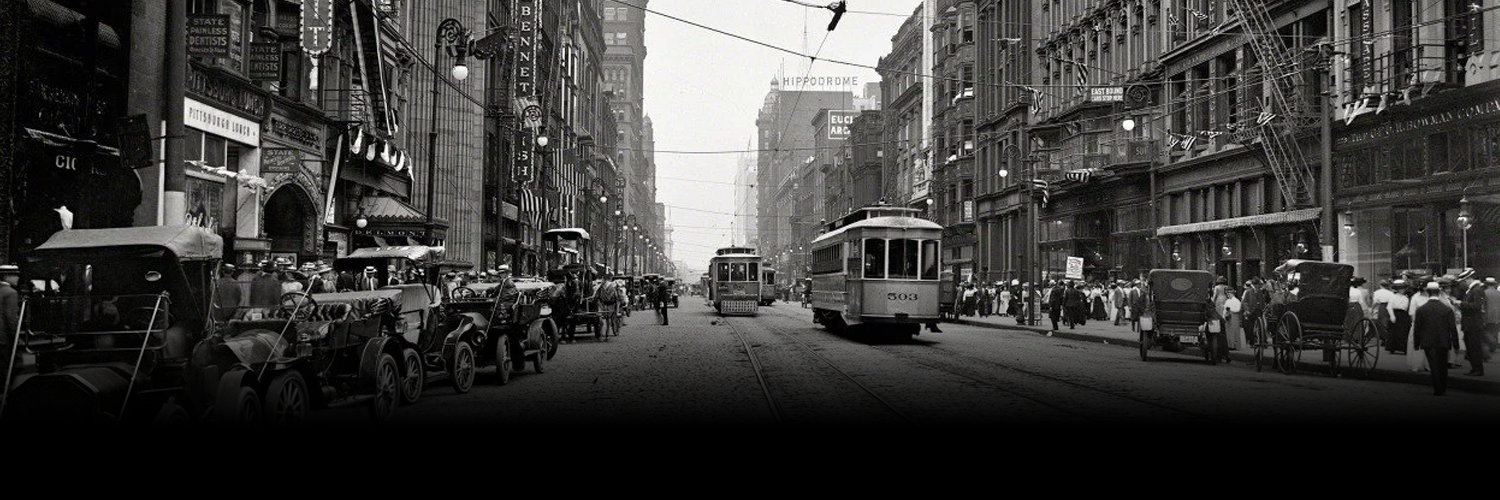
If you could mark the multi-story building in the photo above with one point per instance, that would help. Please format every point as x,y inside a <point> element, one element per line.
<point>953,138</point>
<point>1001,107</point>
<point>785,172</point>
<point>624,63</point>
<point>1416,122</point>
<point>905,101</point>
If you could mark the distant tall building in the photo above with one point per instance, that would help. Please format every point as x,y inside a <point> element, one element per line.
<point>870,100</point>
<point>624,64</point>
<point>745,201</point>
<point>786,147</point>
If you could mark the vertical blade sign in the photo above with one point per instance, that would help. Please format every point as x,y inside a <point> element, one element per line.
<point>317,33</point>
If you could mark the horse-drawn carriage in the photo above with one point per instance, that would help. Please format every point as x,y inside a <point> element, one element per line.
<point>1178,312</point>
<point>1317,315</point>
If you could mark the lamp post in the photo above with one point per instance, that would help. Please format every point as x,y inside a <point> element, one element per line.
<point>1465,221</point>
<point>452,35</point>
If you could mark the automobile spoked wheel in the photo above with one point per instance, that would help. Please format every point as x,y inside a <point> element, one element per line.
<point>461,368</point>
<point>387,389</point>
<point>503,363</point>
<point>414,376</point>
<point>235,403</point>
<point>287,400</point>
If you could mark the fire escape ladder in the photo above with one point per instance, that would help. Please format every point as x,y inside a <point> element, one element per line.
<point>1279,136</point>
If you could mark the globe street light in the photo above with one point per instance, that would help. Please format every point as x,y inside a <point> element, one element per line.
<point>1128,124</point>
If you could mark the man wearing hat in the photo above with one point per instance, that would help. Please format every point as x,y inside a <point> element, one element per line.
<point>1472,321</point>
<point>320,279</point>
<point>1432,328</point>
<point>226,293</point>
<point>265,290</point>
<point>10,310</point>
<point>368,281</point>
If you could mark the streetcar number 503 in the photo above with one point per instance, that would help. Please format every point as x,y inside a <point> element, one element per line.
<point>900,296</point>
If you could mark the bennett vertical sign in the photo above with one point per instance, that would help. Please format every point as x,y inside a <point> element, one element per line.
<point>838,124</point>
<point>528,19</point>
<point>208,35</point>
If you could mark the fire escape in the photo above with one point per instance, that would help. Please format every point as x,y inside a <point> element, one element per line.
<point>1284,113</point>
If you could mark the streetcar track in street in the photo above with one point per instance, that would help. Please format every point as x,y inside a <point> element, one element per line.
<point>988,380</point>
<point>760,375</point>
<point>783,333</point>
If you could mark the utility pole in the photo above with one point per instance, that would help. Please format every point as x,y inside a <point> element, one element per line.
<point>174,183</point>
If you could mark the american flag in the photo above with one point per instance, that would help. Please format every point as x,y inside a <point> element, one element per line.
<point>531,207</point>
<point>1042,187</point>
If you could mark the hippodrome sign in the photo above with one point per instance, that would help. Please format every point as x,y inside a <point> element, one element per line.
<point>819,83</point>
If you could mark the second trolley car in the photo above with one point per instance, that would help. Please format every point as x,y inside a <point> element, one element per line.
<point>735,286</point>
<point>767,286</point>
<point>878,266</point>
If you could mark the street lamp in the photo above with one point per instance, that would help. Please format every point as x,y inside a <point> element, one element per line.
<point>1465,221</point>
<point>1128,124</point>
<point>452,35</point>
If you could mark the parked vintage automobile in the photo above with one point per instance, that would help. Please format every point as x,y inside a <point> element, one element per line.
<point>274,364</point>
<point>111,342</point>
<point>511,327</point>
<point>430,350</point>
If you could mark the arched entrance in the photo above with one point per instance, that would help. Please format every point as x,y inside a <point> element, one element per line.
<point>289,221</point>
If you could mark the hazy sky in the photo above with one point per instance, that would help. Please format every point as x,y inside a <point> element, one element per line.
<point>703,91</point>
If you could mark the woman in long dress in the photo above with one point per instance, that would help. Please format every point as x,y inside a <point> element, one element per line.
<point>1233,333</point>
<point>1416,360</point>
<point>1004,306</point>
<point>1096,301</point>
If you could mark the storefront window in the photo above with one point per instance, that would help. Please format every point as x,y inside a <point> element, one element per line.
<point>1365,243</point>
<point>1410,239</point>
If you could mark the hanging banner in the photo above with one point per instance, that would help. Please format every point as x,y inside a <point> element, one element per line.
<point>208,35</point>
<point>317,32</point>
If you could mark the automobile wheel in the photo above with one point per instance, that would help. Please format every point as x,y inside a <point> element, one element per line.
<point>172,415</point>
<point>414,378</point>
<point>503,364</point>
<point>387,389</point>
<point>241,409</point>
<point>287,400</point>
<point>461,368</point>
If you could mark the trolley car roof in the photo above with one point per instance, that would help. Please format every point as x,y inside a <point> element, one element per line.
<point>889,222</point>
<point>728,256</point>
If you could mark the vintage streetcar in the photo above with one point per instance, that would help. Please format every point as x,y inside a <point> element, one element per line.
<point>735,286</point>
<point>877,267</point>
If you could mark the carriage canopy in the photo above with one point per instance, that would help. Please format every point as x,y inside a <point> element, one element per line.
<point>185,242</point>
<point>1317,278</point>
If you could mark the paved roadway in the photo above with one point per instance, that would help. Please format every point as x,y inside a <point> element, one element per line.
<point>698,371</point>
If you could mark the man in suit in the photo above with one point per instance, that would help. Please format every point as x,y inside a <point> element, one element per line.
<point>10,311</point>
<point>226,293</point>
<point>1075,303</point>
<point>1434,324</point>
<point>1055,298</point>
<point>1473,308</point>
<point>265,290</point>
<point>319,281</point>
<point>368,280</point>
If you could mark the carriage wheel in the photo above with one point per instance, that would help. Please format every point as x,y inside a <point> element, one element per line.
<point>1260,342</point>
<point>1364,348</point>
<point>1288,337</point>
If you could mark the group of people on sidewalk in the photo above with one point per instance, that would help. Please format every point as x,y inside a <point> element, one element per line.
<point>1073,303</point>
<point>1436,321</point>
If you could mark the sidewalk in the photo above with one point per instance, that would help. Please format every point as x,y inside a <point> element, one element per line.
<point>1388,368</point>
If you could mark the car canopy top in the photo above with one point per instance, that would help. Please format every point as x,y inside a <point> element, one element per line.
<point>1318,278</point>
<point>185,242</point>
<point>1180,285</point>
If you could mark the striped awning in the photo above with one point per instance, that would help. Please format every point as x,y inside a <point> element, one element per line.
<point>1294,216</point>
<point>1083,175</point>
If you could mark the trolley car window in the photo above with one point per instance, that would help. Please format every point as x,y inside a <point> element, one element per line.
<point>902,263</point>
<point>737,271</point>
<point>754,274</point>
<point>874,258</point>
<point>827,260</point>
<point>723,271</point>
<point>929,260</point>
<point>769,277</point>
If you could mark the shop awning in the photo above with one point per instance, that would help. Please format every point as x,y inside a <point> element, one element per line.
<point>385,208</point>
<point>1292,217</point>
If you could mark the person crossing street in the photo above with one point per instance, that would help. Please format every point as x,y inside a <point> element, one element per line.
<point>661,296</point>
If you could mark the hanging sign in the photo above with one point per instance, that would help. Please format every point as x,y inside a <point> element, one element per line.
<point>135,142</point>
<point>208,35</point>
<point>1075,268</point>
<point>317,32</point>
<point>265,61</point>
